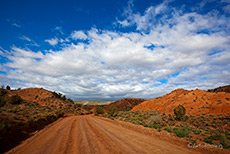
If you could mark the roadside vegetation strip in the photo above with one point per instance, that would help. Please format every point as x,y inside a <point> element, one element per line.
<point>195,129</point>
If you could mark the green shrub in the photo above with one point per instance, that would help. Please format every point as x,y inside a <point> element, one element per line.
<point>15,99</point>
<point>223,141</point>
<point>208,140</point>
<point>78,105</point>
<point>2,102</point>
<point>168,129</point>
<point>179,112</point>
<point>136,118</point>
<point>99,110</point>
<point>196,131</point>
<point>113,110</point>
<point>181,132</point>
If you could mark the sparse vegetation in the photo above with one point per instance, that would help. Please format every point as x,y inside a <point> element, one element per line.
<point>20,117</point>
<point>3,91</point>
<point>197,127</point>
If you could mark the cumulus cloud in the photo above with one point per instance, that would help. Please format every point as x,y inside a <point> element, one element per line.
<point>182,50</point>
<point>78,35</point>
<point>52,41</point>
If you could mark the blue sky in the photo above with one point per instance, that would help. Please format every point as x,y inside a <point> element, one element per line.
<point>107,50</point>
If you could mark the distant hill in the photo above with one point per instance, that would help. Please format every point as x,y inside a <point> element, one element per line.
<point>93,102</point>
<point>44,97</point>
<point>194,101</point>
<point>221,89</point>
<point>126,103</point>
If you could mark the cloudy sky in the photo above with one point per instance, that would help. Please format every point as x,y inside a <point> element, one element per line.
<point>107,50</point>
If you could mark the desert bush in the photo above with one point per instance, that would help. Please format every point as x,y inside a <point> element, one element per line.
<point>155,119</point>
<point>70,100</point>
<point>59,114</point>
<point>113,110</point>
<point>179,112</point>
<point>181,132</point>
<point>78,105</point>
<point>223,141</point>
<point>168,129</point>
<point>2,102</point>
<point>99,110</point>
<point>2,91</point>
<point>15,99</point>
<point>171,117</point>
<point>208,140</point>
<point>197,131</point>
<point>136,118</point>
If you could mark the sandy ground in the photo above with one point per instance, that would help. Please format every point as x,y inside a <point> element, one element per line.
<point>89,135</point>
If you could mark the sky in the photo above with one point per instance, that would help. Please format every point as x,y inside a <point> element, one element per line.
<point>108,50</point>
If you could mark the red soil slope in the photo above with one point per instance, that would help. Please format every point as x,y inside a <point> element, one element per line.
<point>41,96</point>
<point>126,103</point>
<point>195,102</point>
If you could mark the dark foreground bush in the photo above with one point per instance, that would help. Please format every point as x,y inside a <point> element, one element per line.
<point>2,102</point>
<point>16,99</point>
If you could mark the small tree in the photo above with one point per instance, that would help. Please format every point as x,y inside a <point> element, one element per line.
<point>112,111</point>
<point>8,87</point>
<point>98,110</point>
<point>179,112</point>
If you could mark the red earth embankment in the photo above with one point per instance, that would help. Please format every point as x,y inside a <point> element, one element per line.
<point>195,102</point>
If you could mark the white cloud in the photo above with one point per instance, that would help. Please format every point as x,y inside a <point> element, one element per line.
<point>25,38</point>
<point>59,29</point>
<point>78,35</point>
<point>52,41</point>
<point>184,50</point>
<point>16,25</point>
<point>31,42</point>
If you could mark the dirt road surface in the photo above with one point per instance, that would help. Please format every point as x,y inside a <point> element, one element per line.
<point>94,135</point>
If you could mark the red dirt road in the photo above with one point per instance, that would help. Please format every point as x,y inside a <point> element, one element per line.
<point>89,134</point>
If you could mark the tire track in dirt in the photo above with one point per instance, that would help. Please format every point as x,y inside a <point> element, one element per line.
<point>113,141</point>
<point>93,135</point>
